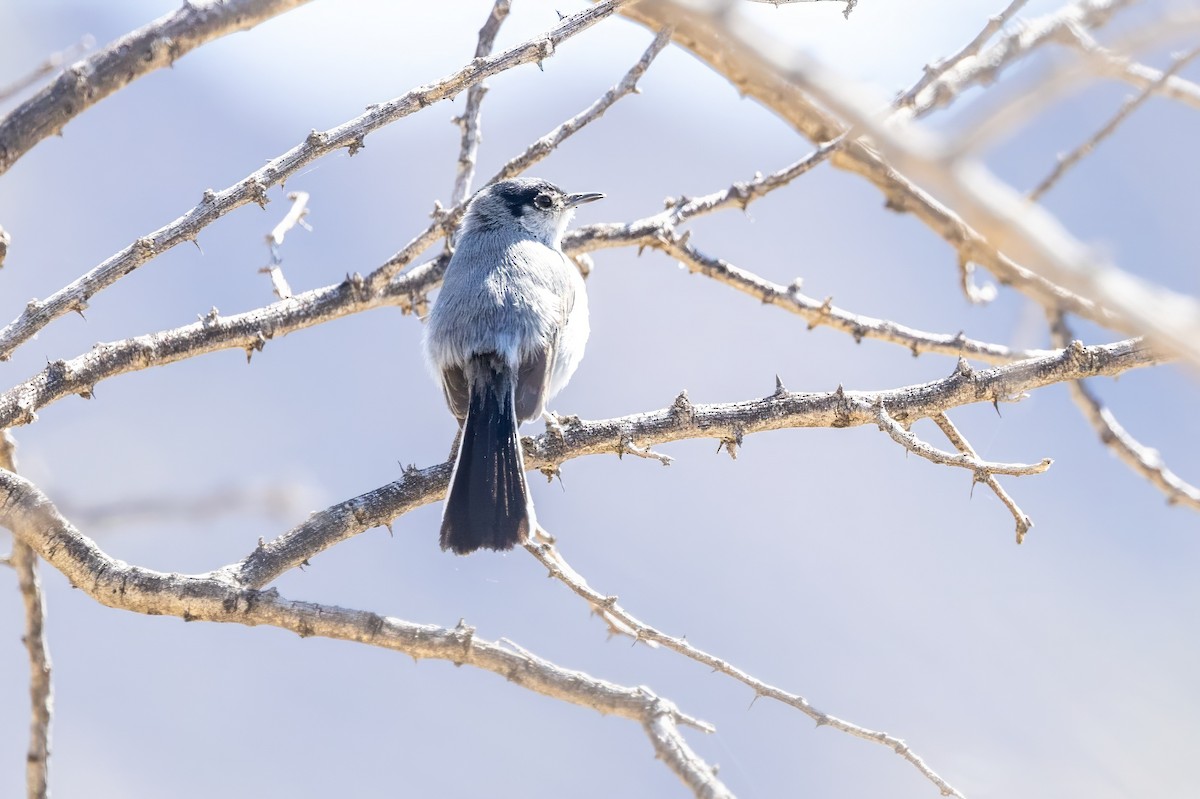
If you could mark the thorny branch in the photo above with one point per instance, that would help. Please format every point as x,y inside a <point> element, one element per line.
<point>620,620</point>
<point>446,219</point>
<point>1024,523</point>
<point>685,420</point>
<point>74,297</point>
<point>152,47</point>
<point>36,522</point>
<point>469,121</point>
<point>1141,459</point>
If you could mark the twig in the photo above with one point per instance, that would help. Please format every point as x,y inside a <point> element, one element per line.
<point>1142,459</point>
<point>969,50</point>
<point>41,697</point>
<point>5,240</point>
<point>295,216</point>
<point>469,121</point>
<point>36,522</point>
<point>686,420</point>
<point>52,63</point>
<point>1024,523</point>
<point>963,460</point>
<point>39,313</point>
<point>146,49</point>
<point>549,557</point>
<point>975,293</point>
<point>446,219</point>
<point>1132,104</point>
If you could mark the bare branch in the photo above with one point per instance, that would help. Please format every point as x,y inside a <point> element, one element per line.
<point>982,68</point>
<point>24,560</point>
<point>663,728</point>
<point>469,121</point>
<point>445,220</point>
<point>1115,65</point>
<point>969,50</point>
<point>1132,104</point>
<point>686,420</point>
<point>963,460</point>
<point>1142,459</point>
<point>744,65</point>
<point>1003,216</point>
<point>1024,523</point>
<point>623,621</point>
<point>52,63</point>
<point>253,188</point>
<point>656,232</point>
<point>35,522</point>
<point>146,49</point>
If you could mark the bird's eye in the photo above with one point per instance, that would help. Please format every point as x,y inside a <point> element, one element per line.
<point>543,201</point>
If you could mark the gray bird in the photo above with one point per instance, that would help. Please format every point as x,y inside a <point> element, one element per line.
<point>505,335</point>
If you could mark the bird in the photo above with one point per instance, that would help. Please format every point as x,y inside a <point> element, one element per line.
<point>505,334</point>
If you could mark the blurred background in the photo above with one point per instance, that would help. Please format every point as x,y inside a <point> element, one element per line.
<point>825,562</point>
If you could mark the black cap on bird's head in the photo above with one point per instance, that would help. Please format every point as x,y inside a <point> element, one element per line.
<point>530,205</point>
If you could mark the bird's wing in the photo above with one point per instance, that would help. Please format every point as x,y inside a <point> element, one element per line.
<point>454,386</point>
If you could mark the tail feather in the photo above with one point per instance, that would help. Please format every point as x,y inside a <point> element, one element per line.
<point>488,505</point>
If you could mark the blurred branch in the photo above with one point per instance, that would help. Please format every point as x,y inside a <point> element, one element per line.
<point>1115,65</point>
<point>745,66</point>
<point>144,50</point>
<point>41,698</point>
<point>469,121</point>
<point>74,297</point>
<point>971,50</point>
<point>624,622</point>
<point>983,68</point>
<point>277,503</point>
<point>295,216</point>
<point>685,420</point>
<point>1024,523</point>
<point>5,240</point>
<point>36,522</point>
<point>52,63</point>
<point>1066,162</point>
<point>445,220</point>
<point>1027,232</point>
<point>1142,459</point>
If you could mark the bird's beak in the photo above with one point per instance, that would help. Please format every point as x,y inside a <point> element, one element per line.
<point>586,197</point>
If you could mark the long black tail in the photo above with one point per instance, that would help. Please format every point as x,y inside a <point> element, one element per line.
<point>488,506</point>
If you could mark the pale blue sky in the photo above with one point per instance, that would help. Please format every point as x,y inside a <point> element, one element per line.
<point>823,561</point>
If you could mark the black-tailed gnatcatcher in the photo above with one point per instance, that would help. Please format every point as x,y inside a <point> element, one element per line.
<point>504,336</point>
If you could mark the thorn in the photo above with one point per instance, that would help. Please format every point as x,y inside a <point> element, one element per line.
<point>996,405</point>
<point>779,389</point>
